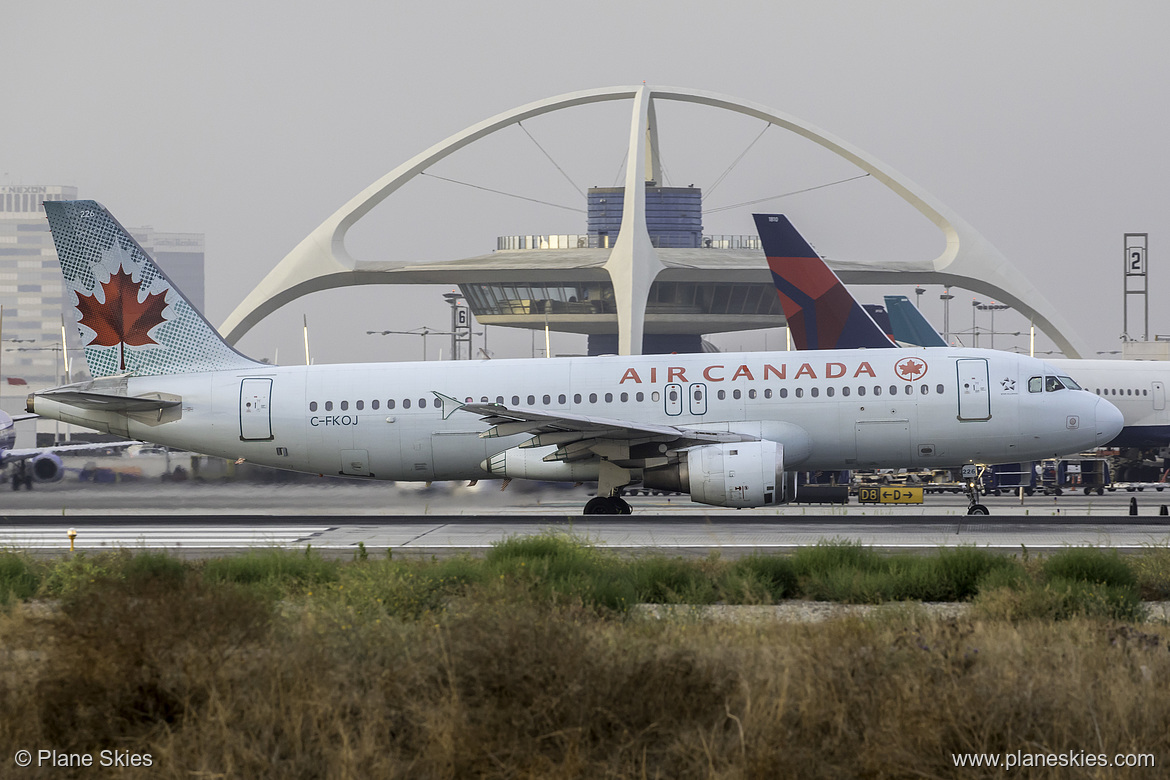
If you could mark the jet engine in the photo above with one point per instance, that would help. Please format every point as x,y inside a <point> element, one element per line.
<point>741,474</point>
<point>46,468</point>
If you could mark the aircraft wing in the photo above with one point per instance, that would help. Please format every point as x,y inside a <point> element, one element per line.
<point>582,436</point>
<point>16,455</point>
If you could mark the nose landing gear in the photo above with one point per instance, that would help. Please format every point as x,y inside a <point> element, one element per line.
<point>973,476</point>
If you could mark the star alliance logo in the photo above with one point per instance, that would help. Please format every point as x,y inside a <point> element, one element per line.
<point>1008,384</point>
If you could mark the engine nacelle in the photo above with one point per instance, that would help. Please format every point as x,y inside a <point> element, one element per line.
<point>530,464</point>
<point>46,468</point>
<point>743,474</point>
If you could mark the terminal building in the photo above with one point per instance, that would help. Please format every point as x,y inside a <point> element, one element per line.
<point>642,277</point>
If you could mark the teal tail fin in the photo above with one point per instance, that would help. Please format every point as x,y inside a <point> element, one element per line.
<point>132,318</point>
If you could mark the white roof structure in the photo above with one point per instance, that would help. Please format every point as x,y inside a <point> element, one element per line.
<point>322,262</point>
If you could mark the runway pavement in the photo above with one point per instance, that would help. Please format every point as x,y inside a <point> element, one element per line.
<point>199,519</point>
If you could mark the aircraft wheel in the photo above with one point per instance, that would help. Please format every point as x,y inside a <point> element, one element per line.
<point>622,505</point>
<point>978,509</point>
<point>601,505</point>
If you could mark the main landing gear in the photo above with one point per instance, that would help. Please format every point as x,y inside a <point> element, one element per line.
<point>607,505</point>
<point>21,476</point>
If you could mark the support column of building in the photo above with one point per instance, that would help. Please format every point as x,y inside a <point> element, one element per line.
<point>633,264</point>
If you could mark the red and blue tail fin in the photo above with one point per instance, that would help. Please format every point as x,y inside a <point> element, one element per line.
<point>821,313</point>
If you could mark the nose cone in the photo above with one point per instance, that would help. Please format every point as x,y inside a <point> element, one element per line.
<point>1109,422</point>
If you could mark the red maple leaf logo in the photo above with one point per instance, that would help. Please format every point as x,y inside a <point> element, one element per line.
<point>910,369</point>
<point>122,319</point>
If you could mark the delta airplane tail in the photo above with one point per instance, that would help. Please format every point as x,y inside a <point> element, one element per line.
<point>821,313</point>
<point>133,320</point>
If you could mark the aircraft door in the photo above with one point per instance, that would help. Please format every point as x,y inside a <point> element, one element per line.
<point>698,398</point>
<point>672,397</point>
<point>1159,390</point>
<point>974,393</point>
<point>255,409</point>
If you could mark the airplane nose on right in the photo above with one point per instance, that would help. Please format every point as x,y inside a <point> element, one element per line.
<point>1109,421</point>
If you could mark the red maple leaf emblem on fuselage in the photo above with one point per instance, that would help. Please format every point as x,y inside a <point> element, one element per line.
<point>122,319</point>
<point>910,369</point>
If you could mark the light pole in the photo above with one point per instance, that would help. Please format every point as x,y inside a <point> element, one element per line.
<point>974,331</point>
<point>993,307</point>
<point>946,299</point>
<point>918,297</point>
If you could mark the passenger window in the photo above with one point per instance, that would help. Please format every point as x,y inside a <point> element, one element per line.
<point>752,394</point>
<point>344,406</point>
<point>1035,384</point>
<point>783,392</point>
<point>405,403</point>
<point>925,389</point>
<point>815,392</point>
<point>374,404</point>
<point>500,400</point>
<point>547,400</point>
<point>655,396</point>
<point>736,394</point>
<point>312,406</point>
<point>561,399</point>
<point>909,389</point>
<point>329,406</point>
<point>390,404</point>
<point>576,398</point>
<point>593,398</point>
<point>437,403</point>
<point>532,400</point>
<point>877,389</point>
<point>938,389</point>
<point>767,392</point>
<point>625,397</point>
<point>861,390</point>
<point>483,399</point>
<point>422,403</point>
<point>609,398</point>
<point>845,390</point>
<point>893,389</point>
<point>673,395</point>
<point>829,392</point>
<point>515,400</point>
<point>360,405</point>
<point>722,394</point>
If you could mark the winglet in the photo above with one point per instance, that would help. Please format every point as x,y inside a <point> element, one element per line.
<point>450,405</point>
<point>821,313</point>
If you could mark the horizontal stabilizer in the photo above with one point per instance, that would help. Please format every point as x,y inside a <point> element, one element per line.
<point>151,402</point>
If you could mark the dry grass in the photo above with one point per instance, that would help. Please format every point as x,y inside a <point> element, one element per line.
<point>456,669</point>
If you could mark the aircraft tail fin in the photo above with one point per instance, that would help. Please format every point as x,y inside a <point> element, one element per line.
<point>909,326</point>
<point>133,320</point>
<point>821,313</point>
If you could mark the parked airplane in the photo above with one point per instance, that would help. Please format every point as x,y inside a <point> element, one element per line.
<point>34,464</point>
<point>726,428</point>
<point>1136,387</point>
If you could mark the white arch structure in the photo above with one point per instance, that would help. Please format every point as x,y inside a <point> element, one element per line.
<point>322,262</point>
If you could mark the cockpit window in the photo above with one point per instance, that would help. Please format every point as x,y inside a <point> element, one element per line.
<point>1068,382</point>
<point>1036,384</point>
<point>1052,384</point>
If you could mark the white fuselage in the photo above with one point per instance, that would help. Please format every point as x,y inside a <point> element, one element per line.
<point>850,409</point>
<point>1136,387</point>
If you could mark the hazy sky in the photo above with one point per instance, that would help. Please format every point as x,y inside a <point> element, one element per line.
<point>1043,124</point>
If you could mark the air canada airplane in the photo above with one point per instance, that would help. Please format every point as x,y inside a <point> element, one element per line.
<point>727,428</point>
<point>809,291</point>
